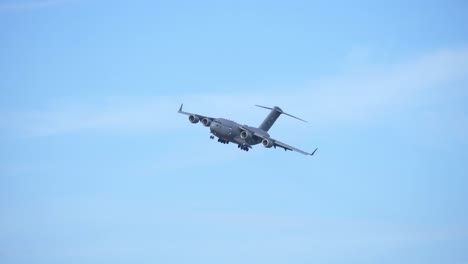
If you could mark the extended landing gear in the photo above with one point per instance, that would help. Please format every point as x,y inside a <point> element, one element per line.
<point>212,137</point>
<point>244,148</point>
<point>220,140</point>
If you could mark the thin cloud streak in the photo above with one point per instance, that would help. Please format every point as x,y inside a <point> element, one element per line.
<point>341,101</point>
<point>158,226</point>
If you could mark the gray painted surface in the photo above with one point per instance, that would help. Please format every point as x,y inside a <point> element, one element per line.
<point>244,136</point>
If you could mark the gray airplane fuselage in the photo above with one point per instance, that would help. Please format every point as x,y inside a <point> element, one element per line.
<point>228,130</point>
<point>245,136</point>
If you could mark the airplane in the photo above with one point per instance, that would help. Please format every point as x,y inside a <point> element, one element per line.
<point>244,136</point>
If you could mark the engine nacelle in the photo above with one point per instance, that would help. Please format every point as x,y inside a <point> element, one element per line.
<point>267,143</point>
<point>193,119</point>
<point>245,134</point>
<point>206,122</point>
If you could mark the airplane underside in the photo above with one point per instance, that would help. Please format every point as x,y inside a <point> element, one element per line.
<point>240,142</point>
<point>243,135</point>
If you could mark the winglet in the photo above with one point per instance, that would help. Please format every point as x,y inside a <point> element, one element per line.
<point>311,154</point>
<point>180,109</point>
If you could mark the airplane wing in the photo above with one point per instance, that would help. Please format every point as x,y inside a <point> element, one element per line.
<point>277,143</point>
<point>186,113</point>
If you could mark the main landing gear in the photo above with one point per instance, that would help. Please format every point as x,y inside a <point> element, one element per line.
<point>240,146</point>
<point>243,147</point>
<point>220,140</point>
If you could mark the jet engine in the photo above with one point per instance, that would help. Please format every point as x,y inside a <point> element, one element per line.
<point>245,134</point>
<point>193,119</point>
<point>206,122</point>
<point>267,143</point>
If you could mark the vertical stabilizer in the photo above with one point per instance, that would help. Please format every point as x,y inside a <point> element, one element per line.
<point>271,118</point>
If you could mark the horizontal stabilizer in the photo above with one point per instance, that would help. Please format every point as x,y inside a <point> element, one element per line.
<point>269,108</point>
<point>294,117</point>
<point>279,110</point>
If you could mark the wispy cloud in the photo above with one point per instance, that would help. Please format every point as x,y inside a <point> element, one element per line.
<point>133,226</point>
<point>109,114</point>
<point>359,96</point>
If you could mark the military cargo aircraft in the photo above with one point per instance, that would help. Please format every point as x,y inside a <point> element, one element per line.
<point>244,136</point>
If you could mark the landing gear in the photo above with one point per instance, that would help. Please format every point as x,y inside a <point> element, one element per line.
<point>243,147</point>
<point>220,140</point>
<point>212,137</point>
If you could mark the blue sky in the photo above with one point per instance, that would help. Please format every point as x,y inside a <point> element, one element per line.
<point>96,166</point>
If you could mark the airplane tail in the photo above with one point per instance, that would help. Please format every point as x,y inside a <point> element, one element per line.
<point>272,116</point>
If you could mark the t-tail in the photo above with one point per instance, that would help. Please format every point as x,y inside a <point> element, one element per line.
<point>272,116</point>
